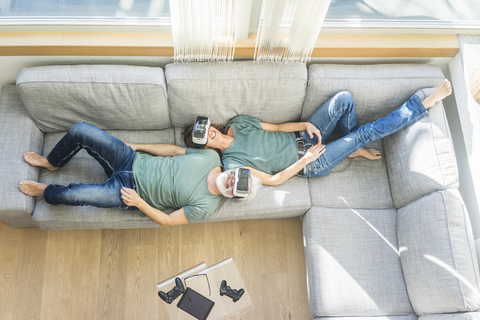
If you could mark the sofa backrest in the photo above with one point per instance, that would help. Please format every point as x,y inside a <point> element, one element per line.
<point>108,96</point>
<point>271,92</point>
<point>376,89</point>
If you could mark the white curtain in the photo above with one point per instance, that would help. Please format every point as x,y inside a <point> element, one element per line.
<point>288,29</point>
<point>204,30</point>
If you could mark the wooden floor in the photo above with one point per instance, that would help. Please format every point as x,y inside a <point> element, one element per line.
<point>112,274</point>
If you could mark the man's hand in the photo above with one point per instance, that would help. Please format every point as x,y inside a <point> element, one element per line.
<point>314,152</point>
<point>131,145</point>
<point>312,130</point>
<point>130,197</point>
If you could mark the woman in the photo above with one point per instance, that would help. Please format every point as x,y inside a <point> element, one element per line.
<point>275,153</point>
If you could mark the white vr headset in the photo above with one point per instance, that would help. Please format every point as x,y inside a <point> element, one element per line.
<point>241,186</point>
<point>200,131</point>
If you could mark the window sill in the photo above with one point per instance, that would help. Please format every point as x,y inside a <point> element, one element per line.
<point>161,44</point>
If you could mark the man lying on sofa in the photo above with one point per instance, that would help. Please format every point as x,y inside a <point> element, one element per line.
<point>166,176</point>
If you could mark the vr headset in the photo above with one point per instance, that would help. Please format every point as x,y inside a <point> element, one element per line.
<point>200,131</point>
<point>242,182</point>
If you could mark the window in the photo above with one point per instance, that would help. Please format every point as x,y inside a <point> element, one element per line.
<point>405,13</point>
<point>85,9</point>
<point>342,14</point>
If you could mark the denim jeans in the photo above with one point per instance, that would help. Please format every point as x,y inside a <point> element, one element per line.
<point>340,109</point>
<point>114,156</point>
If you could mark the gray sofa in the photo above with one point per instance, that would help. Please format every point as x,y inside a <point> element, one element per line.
<point>383,239</point>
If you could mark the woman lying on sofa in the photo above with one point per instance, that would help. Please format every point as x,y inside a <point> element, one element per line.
<point>195,191</point>
<point>274,153</point>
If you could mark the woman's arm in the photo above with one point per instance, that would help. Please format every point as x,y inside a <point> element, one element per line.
<point>292,127</point>
<point>277,179</point>
<point>131,198</point>
<point>158,149</point>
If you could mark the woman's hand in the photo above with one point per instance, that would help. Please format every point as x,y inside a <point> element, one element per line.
<point>314,152</point>
<point>130,197</point>
<point>312,130</point>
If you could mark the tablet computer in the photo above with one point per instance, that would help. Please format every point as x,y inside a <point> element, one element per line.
<point>195,304</point>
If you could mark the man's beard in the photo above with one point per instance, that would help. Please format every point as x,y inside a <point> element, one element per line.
<point>221,181</point>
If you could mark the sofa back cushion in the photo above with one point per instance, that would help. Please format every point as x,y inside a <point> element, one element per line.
<point>271,92</point>
<point>421,158</point>
<point>376,89</point>
<point>108,96</point>
<point>438,255</point>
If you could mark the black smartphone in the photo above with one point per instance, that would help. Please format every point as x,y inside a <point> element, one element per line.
<point>195,304</point>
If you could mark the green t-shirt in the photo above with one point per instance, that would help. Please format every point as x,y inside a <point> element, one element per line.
<point>176,182</point>
<point>270,152</point>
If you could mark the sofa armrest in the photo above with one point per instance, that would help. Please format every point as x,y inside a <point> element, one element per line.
<point>421,159</point>
<point>19,135</point>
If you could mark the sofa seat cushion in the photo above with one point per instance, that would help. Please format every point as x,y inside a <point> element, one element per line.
<point>108,96</point>
<point>353,263</point>
<point>82,168</point>
<point>354,183</point>
<point>421,157</point>
<point>438,254</point>
<point>269,91</point>
<point>290,199</point>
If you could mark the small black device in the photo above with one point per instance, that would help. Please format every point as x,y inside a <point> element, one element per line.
<point>242,182</point>
<point>174,293</point>
<point>229,292</point>
<point>200,131</point>
<point>195,304</point>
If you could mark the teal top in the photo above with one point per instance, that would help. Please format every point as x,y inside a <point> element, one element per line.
<point>270,152</point>
<point>176,182</point>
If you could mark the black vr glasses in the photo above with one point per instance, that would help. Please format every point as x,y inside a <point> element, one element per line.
<point>200,131</point>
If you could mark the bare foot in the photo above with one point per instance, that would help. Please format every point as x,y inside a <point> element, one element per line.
<point>443,90</point>
<point>371,154</point>
<point>32,188</point>
<point>38,161</point>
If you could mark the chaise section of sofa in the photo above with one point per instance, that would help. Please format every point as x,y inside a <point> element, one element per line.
<point>389,238</point>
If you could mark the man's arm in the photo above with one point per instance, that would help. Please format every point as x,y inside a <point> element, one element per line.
<point>292,127</point>
<point>131,198</point>
<point>158,149</point>
<point>277,179</point>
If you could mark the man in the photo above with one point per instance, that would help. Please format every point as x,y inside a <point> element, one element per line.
<point>166,176</point>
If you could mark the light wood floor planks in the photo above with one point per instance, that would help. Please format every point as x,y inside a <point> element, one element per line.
<point>112,274</point>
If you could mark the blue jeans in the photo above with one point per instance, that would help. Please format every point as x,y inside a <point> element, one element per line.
<point>114,156</point>
<point>340,109</point>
